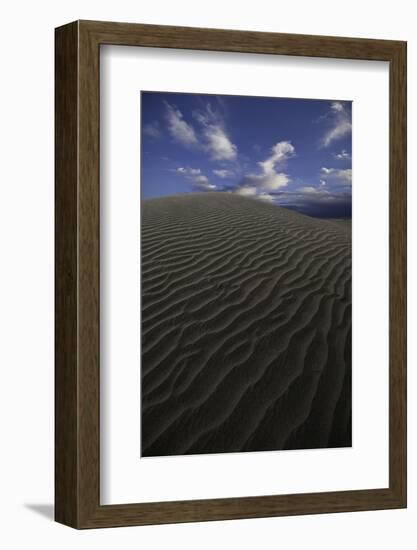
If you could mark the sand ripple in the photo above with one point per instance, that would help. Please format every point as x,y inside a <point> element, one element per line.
<point>246,327</point>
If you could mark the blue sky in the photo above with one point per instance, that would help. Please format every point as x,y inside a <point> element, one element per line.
<point>295,153</point>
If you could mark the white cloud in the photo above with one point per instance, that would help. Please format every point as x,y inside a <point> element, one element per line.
<point>341,129</point>
<point>337,106</point>
<point>218,143</point>
<point>343,155</point>
<point>223,173</point>
<point>280,153</point>
<point>265,197</point>
<point>270,179</point>
<point>188,171</point>
<point>269,182</point>
<point>179,129</point>
<point>335,175</point>
<point>310,190</point>
<point>213,137</point>
<point>341,123</point>
<point>246,191</point>
<point>152,129</point>
<point>197,178</point>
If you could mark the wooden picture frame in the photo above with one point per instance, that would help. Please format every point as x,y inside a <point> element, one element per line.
<point>77,382</point>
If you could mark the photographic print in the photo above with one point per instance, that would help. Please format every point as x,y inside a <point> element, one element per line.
<point>203,342</point>
<point>246,206</point>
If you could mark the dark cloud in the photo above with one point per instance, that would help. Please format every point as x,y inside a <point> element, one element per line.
<point>317,203</point>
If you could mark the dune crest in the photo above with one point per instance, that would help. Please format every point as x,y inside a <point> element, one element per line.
<point>246,327</point>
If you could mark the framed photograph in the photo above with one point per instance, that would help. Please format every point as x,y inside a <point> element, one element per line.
<point>230,274</point>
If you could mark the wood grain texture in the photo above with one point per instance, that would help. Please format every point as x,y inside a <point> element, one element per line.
<point>398,273</point>
<point>78,285</point>
<point>66,237</point>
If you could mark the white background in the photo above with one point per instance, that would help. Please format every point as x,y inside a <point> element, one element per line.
<point>26,300</point>
<point>125,478</point>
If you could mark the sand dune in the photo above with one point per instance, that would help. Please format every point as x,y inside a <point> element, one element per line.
<point>246,327</point>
